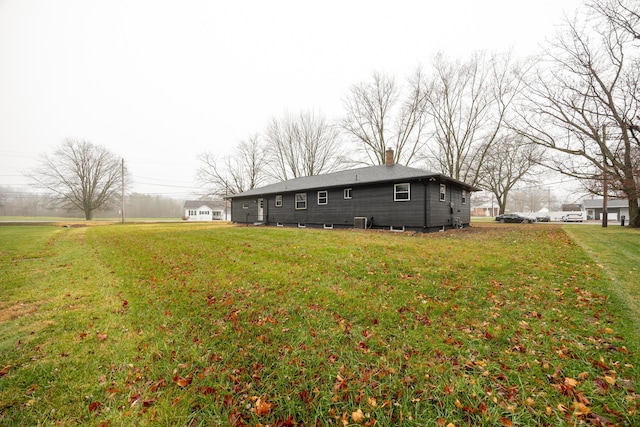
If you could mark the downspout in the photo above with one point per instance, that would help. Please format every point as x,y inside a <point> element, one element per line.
<point>424,212</point>
<point>266,211</point>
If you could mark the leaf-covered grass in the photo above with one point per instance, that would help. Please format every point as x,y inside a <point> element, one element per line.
<point>196,324</point>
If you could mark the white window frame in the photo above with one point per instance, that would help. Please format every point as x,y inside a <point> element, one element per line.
<point>443,192</point>
<point>278,201</point>
<point>347,193</point>
<point>464,197</point>
<point>245,206</point>
<point>325,197</point>
<point>328,226</point>
<point>407,192</point>
<point>302,199</point>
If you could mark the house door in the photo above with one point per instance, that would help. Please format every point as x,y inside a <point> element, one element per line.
<point>260,210</point>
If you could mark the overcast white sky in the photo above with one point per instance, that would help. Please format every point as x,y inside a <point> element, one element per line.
<point>158,82</point>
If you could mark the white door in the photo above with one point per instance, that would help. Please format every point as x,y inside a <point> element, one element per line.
<point>260,210</point>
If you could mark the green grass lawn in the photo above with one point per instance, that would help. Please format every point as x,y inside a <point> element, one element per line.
<point>209,324</point>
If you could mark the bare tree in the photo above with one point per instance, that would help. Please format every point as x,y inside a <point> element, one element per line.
<point>302,145</point>
<point>468,105</point>
<point>623,14</point>
<point>508,162</point>
<point>81,175</point>
<point>381,115</point>
<point>241,171</point>
<point>590,82</point>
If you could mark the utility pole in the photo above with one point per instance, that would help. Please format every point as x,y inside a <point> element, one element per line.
<point>122,191</point>
<point>605,185</point>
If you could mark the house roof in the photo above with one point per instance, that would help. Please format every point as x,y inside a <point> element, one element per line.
<point>211,204</point>
<point>351,177</point>
<point>611,203</point>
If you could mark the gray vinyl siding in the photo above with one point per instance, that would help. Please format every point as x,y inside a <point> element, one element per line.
<point>424,210</point>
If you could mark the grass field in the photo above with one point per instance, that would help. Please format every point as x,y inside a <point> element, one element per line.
<point>209,324</point>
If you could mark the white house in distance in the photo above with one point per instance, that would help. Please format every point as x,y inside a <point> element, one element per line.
<point>204,210</point>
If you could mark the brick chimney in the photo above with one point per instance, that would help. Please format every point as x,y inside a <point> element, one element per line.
<point>388,157</point>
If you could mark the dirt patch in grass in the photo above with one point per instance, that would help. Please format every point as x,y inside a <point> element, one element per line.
<point>10,312</point>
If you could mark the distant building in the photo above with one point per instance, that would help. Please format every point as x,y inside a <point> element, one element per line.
<point>204,210</point>
<point>572,207</point>
<point>616,208</point>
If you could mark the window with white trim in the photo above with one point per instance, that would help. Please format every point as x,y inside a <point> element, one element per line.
<point>464,197</point>
<point>323,197</point>
<point>443,192</point>
<point>347,193</point>
<point>278,201</point>
<point>402,192</point>
<point>245,206</point>
<point>301,201</point>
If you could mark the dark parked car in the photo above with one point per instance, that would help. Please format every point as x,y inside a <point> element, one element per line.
<point>514,218</point>
<point>543,218</point>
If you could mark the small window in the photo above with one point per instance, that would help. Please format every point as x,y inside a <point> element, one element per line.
<point>401,192</point>
<point>301,201</point>
<point>443,192</point>
<point>328,226</point>
<point>347,193</point>
<point>464,197</point>
<point>279,201</point>
<point>397,229</point>
<point>279,224</point>
<point>245,206</point>
<point>323,197</point>
<point>302,225</point>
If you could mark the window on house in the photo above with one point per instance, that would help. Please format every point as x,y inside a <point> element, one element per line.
<point>279,201</point>
<point>323,197</point>
<point>464,197</point>
<point>401,192</point>
<point>443,192</point>
<point>301,201</point>
<point>347,193</point>
<point>245,206</point>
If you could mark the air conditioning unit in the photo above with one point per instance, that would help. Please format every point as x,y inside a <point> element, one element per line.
<point>360,222</point>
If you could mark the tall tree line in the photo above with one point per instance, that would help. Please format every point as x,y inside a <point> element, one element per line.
<point>492,120</point>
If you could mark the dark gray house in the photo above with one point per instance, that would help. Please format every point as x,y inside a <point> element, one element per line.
<point>391,197</point>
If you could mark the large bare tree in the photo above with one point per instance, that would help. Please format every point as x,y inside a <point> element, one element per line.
<point>468,104</point>
<point>302,145</point>
<point>507,163</point>
<point>381,115</point>
<point>243,170</point>
<point>585,102</point>
<point>81,175</point>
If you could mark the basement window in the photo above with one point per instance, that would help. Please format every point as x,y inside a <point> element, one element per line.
<point>402,192</point>
<point>328,226</point>
<point>301,201</point>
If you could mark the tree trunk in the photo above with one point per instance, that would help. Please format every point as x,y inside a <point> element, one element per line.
<point>634,217</point>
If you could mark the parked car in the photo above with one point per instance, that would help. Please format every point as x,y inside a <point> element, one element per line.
<point>514,218</point>
<point>572,218</point>
<point>543,218</point>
